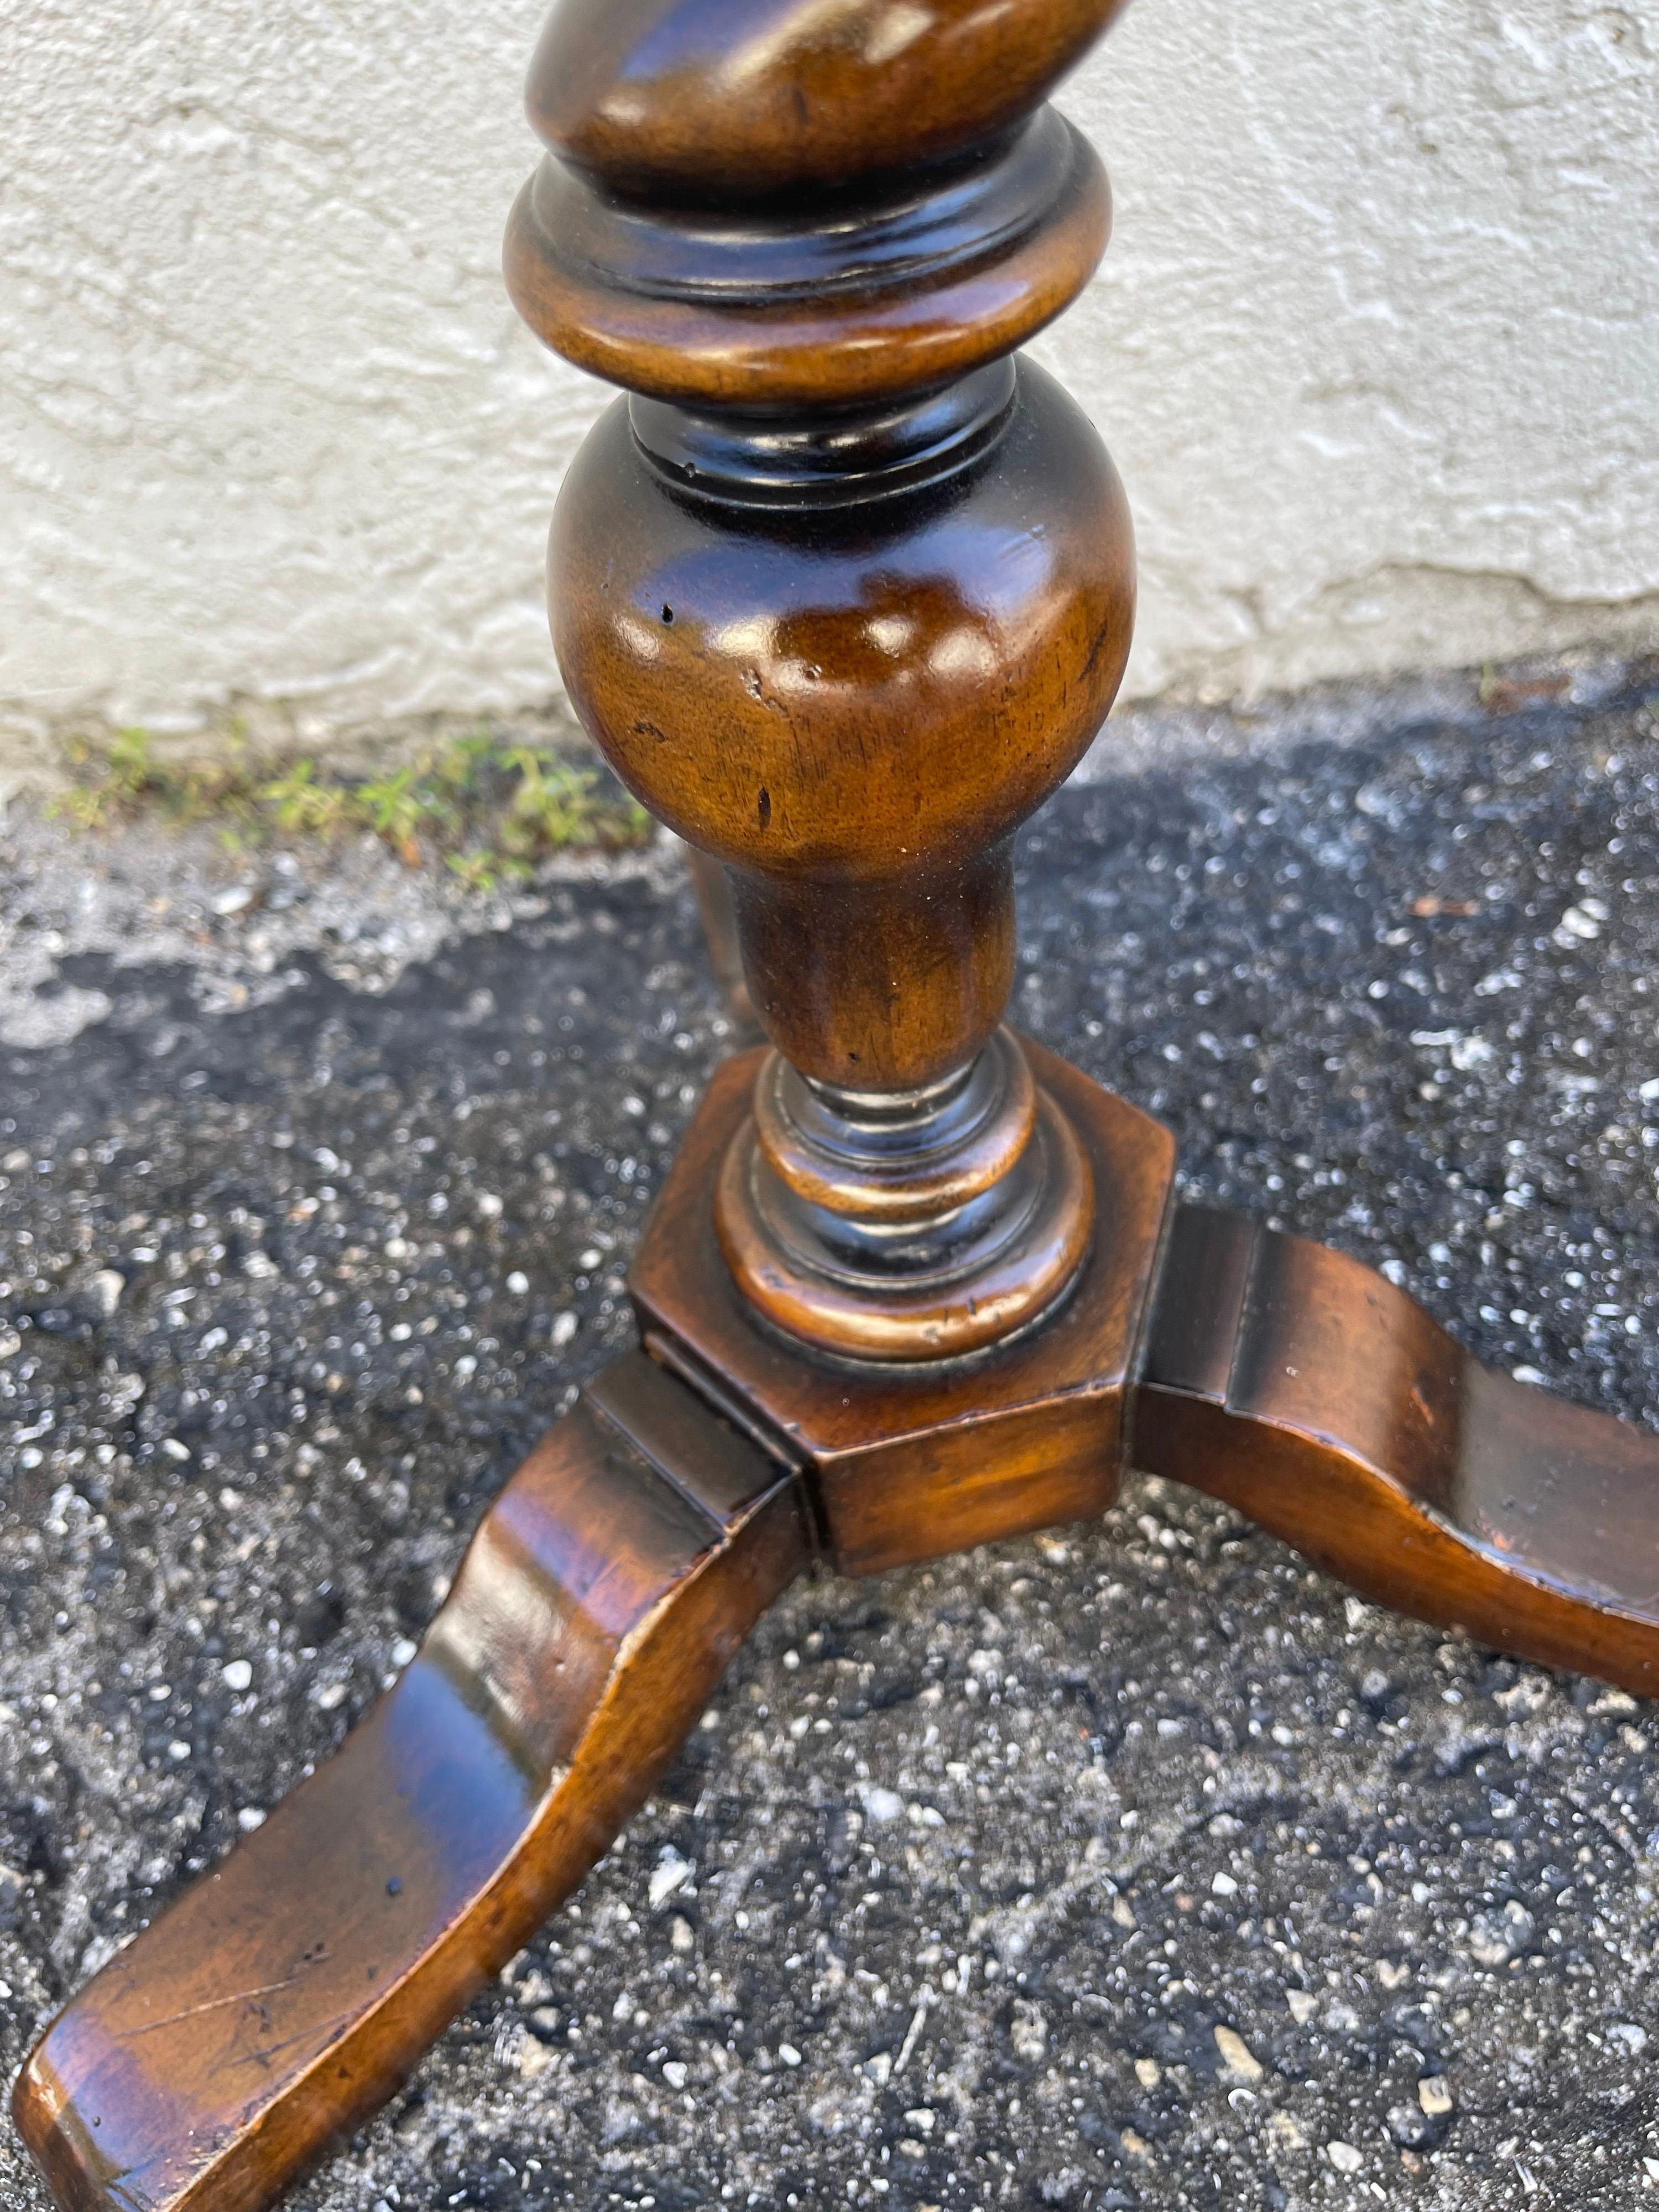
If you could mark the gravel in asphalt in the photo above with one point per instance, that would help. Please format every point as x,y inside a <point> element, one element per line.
<point>1133,1865</point>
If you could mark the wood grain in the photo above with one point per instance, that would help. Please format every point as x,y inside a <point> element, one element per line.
<point>853,703</point>
<point>289,1992</point>
<point>842,594</point>
<point>910,1462</point>
<point>817,308</point>
<point>689,99</point>
<point>861,1305</point>
<point>1325,1404</point>
<point>843,591</point>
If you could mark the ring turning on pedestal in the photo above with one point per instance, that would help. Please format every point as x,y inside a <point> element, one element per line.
<point>905,1225</point>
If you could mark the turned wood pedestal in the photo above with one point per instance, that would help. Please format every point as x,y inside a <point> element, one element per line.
<point>842,588</point>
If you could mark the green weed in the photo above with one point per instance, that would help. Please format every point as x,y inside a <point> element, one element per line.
<point>302,806</point>
<point>489,810</point>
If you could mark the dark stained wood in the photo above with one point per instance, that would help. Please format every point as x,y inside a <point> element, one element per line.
<point>762,308</point>
<point>852,702</point>
<point>688,101</point>
<point>907,1463</point>
<point>907,1227</point>
<point>769,203</point>
<point>842,593</point>
<point>886,1186</point>
<point>1327,1405</point>
<point>288,1993</point>
<point>928,1314</point>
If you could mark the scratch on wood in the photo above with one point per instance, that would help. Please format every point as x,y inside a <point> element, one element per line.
<point>266,2051</point>
<point>213,2004</point>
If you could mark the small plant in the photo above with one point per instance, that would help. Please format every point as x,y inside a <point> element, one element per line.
<point>85,805</point>
<point>131,770</point>
<point>109,784</point>
<point>551,805</point>
<point>396,809</point>
<point>491,812</point>
<point>487,872</point>
<point>304,807</point>
<point>465,763</point>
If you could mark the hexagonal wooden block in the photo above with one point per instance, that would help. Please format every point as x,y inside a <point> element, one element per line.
<point>907,1463</point>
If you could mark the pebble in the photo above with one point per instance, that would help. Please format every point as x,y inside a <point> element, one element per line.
<point>534,2058</point>
<point>1120,908</point>
<point>670,1874</point>
<point>1236,2055</point>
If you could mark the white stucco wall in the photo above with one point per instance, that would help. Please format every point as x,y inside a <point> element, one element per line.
<point>1377,347</point>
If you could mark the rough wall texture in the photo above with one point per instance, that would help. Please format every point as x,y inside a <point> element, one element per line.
<point>1375,347</point>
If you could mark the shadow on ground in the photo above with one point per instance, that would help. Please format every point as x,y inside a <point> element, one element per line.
<point>1132,1866</point>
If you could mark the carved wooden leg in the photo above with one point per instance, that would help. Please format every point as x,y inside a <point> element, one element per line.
<point>1325,1404</point>
<point>288,1993</point>
<point>842,591</point>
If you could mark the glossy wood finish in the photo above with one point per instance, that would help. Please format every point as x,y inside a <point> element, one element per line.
<point>852,702</point>
<point>288,1993</point>
<point>756,97</point>
<point>946,1276</point>
<point>772,202</point>
<point>1327,1405</point>
<point>842,594</point>
<point>759,308</point>
<point>984,1122</point>
<point>907,1463</point>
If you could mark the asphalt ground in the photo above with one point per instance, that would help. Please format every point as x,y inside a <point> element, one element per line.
<point>1133,1866</point>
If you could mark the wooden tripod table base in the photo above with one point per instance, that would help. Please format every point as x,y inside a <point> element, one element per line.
<point>290,1991</point>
